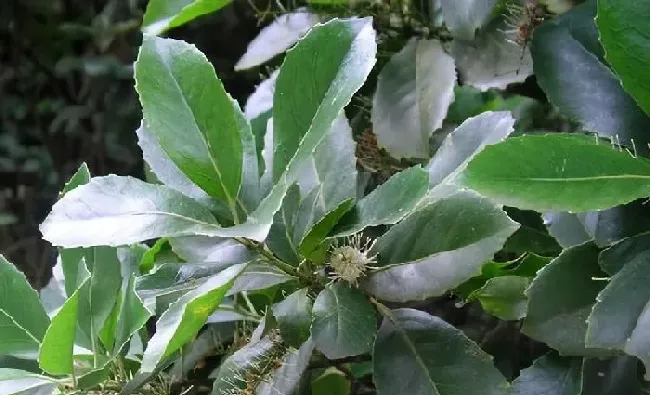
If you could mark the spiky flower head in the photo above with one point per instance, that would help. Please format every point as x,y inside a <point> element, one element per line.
<point>350,261</point>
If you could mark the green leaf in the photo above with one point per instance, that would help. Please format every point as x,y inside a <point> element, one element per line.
<point>286,378</point>
<point>576,173</point>
<point>293,315</point>
<point>419,354</point>
<point>277,37</point>
<point>414,91</point>
<point>618,320</point>
<point>165,170</point>
<point>328,185</point>
<point>132,316</point>
<point>611,376</point>
<point>23,320</point>
<point>388,203</point>
<point>526,266</point>
<point>348,50</point>
<point>438,247</point>
<point>492,60</point>
<point>464,17</point>
<point>344,323</point>
<point>250,193</point>
<point>172,280</point>
<point>19,382</point>
<point>590,93</point>
<point>97,300</point>
<point>124,210</point>
<point>561,298</point>
<point>259,275</point>
<point>280,239</point>
<point>181,322</point>
<point>162,15</point>
<point>304,105</point>
<point>80,177</point>
<point>331,382</point>
<point>464,143</point>
<point>533,235</point>
<point>199,249</point>
<point>179,90</point>
<point>56,353</point>
<point>504,297</point>
<point>248,366</point>
<point>549,374</point>
<point>148,260</point>
<point>605,227</point>
<point>625,34</point>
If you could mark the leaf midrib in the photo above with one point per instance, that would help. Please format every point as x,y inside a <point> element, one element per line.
<point>413,350</point>
<point>573,179</point>
<point>203,138</point>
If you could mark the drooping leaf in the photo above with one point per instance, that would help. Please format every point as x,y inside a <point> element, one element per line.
<point>590,93</point>
<point>504,297</point>
<point>464,17</point>
<point>344,323</point>
<point>56,353</point>
<point>464,143</point>
<point>388,203</point>
<point>293,315</point>
<point>561,298</point>
<point>179,90</point>
<point>549,374</point>
<point>124,210</point>
<point>618,320</point>
<point>438,247</point>
<point>162,15</point>
<point>20,382</point>
<point>558,172</point>
<point>492,60</point>
<point>625,34</point>
<point>180,323</point>
<point>414,91</point>
<point>277,37</point>
<point>419,354</point>
<point>23,320</point>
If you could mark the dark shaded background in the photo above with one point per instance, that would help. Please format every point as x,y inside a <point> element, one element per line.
<point>67,97</point>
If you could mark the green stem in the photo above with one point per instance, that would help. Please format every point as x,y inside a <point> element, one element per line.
<point>263,250</point>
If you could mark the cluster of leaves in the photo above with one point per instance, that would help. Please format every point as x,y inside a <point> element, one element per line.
<point>263,216</point>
